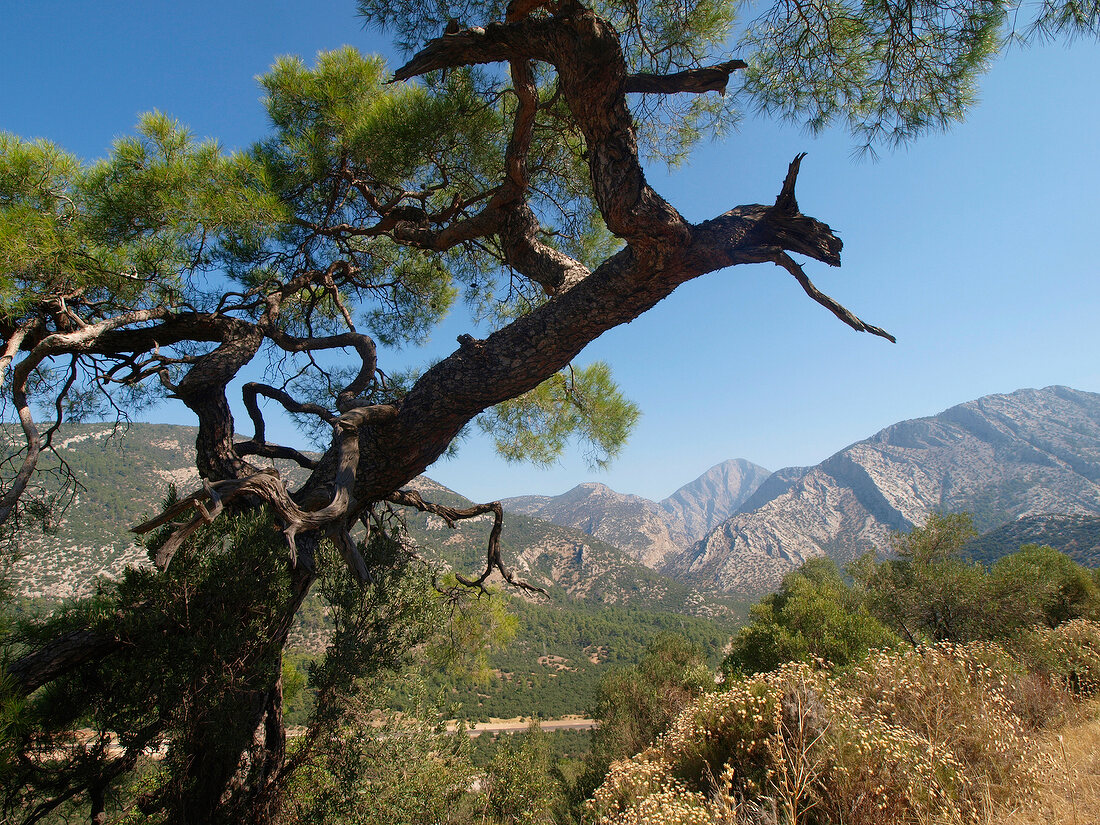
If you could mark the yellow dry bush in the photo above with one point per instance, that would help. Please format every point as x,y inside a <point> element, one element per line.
<point>931,735</point>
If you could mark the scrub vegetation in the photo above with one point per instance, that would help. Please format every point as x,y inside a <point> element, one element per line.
<point>502,165</point>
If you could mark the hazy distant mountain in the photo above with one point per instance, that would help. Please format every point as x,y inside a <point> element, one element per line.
<point>715,496</point>
<point>1000,457</point>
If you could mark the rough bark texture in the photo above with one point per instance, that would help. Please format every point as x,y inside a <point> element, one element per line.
<point>378,448</point>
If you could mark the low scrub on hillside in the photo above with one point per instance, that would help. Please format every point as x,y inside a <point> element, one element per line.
<point>939,733</point>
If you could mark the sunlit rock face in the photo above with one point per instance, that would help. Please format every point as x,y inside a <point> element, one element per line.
<point>650,532</point>
<point>1001,457</point>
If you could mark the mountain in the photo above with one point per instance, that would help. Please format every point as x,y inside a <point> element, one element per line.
<point>773,486</point>
<point>648,531</point>
<point>715,496</point>
<point>1001,457</point>
<point>1076,536</point>
<point>602,611</point>
<point>119,476</point>
<point>637,526</point>
<point>122,474</point>
<point>567,562</point>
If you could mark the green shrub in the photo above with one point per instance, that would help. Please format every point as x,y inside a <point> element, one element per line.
<point>815,615</point>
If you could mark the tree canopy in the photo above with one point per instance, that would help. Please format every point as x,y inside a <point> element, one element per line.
<point>502,165</point>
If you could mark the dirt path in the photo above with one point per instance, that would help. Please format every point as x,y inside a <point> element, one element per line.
<point>520,724</point>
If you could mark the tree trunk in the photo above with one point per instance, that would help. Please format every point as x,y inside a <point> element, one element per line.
<point>232,754</point>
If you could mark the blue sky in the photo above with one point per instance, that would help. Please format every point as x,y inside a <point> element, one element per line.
<point>976,247</point>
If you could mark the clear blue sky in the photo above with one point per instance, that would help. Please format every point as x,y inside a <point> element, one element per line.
<point>977,247</point>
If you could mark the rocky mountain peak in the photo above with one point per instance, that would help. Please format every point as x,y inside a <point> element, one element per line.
<point>999,457</point>
<point>646,530</point>
<point>714,496</point>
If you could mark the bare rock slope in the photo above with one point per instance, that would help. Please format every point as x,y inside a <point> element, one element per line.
<point>715,496</point>
<point>636,525</point>
<point>649,532</point>
<point>1000,457</point>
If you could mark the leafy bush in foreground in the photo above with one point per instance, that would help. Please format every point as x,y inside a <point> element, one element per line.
<point>933,734</point>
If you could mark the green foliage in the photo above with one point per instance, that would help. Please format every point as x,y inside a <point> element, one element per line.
<point>931,593</point>
<point>369,768</point>
<point>341,116</point>
<point>559,656</point>
<point>815,615</point>
<point>123,230</point>
<point>634,705</point>
<point>1078,536</point>
<point>928,593</point>
<point>196,651</point>
<point>582,403</point>
<point>1066,656</point>
<point>193,644</point>
<point>469,633</point>
<point>890,70</point>
<point>11,704</point>
<point>1065,18</point>
<point>521,788</point>
<point>36,213</point>
<point>1041,586</point>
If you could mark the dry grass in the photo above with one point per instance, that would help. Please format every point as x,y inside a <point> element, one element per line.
<point>1071,794</point>
<point>966,735</point>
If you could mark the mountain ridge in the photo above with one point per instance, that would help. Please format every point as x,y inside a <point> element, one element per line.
<point>1001,457</point>
<point>123,474</point>
<point>648,531</point>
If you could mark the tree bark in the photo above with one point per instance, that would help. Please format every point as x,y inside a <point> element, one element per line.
<point>231,761</point>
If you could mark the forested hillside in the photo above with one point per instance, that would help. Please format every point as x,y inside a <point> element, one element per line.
<point>1078,536</point>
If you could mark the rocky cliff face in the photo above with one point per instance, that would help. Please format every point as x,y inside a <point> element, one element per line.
<point>649,532</point>
<point>1000,457</point>
<point>639,527</point>
<point>713,497</point>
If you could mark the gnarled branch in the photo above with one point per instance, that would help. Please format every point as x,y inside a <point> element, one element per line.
<point>694,81</point>
<point>268,487</point>
<point>452,515</point>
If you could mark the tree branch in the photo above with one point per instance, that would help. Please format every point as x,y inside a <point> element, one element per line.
<point>253,389</point>
<point>269,488</point>
<point>517,358</point>
<point>784,260</point>
<point>362,344</point>
<point>493,561</point>
<point>695,81</point>
<point>58,657</point>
